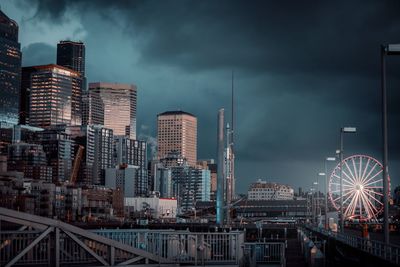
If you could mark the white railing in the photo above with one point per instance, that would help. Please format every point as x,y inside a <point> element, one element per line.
<point>379,249</point>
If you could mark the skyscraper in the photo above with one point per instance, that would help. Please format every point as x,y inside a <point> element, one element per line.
<point>132,153</point>
<point>177,132</point>
<point>112,105</point>
<point>50,95</point>
<point>10,70</point>
<point>71,55</point>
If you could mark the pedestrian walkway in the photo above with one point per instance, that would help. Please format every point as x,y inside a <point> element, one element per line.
<point>294,257</point>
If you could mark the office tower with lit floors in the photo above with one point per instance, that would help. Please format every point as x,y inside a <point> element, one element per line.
<point>112,105</point>
<point>50,95</point>
<point>177,132</point>
<point>10,70</point>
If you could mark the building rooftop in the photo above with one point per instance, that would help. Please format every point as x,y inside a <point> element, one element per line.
<point>52,67</point>
<point>116,86</point>
<point>175,112</point>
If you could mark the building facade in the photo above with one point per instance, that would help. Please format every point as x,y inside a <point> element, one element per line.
<point>71,55</point>
<point>177,132</point>
<point>59,149</point>
<point>10,70</point>
<point>189,185</point>
<point>262,190</point>
<point>50,95</point>
<point>112,105</point>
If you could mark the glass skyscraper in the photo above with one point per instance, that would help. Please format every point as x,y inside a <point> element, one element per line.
<point>51,95</point>
<point>112,105</point>
<point>71,55</point>
<point>10,70</point>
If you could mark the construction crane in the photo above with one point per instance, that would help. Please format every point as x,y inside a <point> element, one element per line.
<point>77,163</point>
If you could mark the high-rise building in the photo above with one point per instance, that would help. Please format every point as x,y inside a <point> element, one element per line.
<point>50,95</point>
<point>112,105</point>
<point>190,185</point>
<point>177,132</point>
<point>10,70</point>
<point>211,165</point>
<point>129,152</point>
<point>29,159</point>
<point>71,55</point>
<point>58,146</point>
<point>97,142</point>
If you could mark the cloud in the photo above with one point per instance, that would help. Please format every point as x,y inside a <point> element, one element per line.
<point>38,54</point>
<point>303,70</point>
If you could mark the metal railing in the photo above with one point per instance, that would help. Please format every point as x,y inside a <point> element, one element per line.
<point>265,253</point>
<point>183,246</point>
<point>379,249</point>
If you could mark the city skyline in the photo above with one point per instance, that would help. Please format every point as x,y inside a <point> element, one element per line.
<point>303,100</point>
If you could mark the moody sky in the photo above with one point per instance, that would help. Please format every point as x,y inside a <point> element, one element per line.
<point>303,69</point>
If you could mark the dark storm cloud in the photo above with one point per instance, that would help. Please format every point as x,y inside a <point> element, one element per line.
<point>38,54</point>
<point>257,36</point>
<point>304,68</point>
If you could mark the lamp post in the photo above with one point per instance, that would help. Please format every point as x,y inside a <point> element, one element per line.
<point>312,205</point>
<point>386,50</point>
<point>317,204</point>
<point>342,132</point>
<point>327,189</point>
<point>326,196</point>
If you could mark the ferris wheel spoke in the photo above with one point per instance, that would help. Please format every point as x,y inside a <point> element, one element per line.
<point>360,170</point>
<point>374,182</point>
<point>370,179</point>
<point>365,170</point>
<point>372,208</point>
<point>353,178</point>
<point>373,197</point>
<point>366,206</point>
<point>344,185</point>
<point>374,192</point>
<point>356,175</point>
<point>350,205</point>
<point>369,173</point>
<point>334,200</point>
<point>348,198</point>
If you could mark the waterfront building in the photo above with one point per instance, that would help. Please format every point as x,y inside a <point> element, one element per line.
<point>262,190</point>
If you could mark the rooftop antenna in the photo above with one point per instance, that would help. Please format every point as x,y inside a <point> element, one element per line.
<point>232,107</point>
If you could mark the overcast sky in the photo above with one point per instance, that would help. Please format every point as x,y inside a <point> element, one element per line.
<point>303,69</point>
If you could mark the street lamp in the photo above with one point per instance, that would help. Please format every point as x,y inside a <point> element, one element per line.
<point>386,50</point>
<point>342,132</point>
<point>323,174</point>
<point>317,206</point>
<point>327,189</point>
<point>312,205</point>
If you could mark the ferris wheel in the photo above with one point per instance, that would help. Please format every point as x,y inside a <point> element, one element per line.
<point>362,188</point>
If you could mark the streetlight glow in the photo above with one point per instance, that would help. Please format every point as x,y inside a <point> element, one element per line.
<point>349,129</point>
<point>321,174</point>
<point>331,159</point>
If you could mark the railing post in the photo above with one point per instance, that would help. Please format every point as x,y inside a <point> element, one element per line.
<point>57,247</point>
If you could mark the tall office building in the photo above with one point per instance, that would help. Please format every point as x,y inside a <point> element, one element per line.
<point>190,185</point>
<point>97,154</point>
<point>71,55</point>
<point>10,70</point>
<point>177,132</point>
<point>112,105</point>
<point>50,95</point>
<point>129,152</point>
<point>58,146</point>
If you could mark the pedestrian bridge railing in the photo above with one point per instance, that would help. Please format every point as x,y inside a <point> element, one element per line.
<point>390,252</point>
